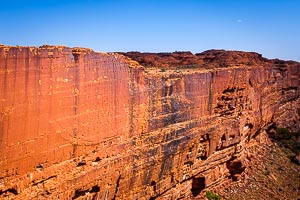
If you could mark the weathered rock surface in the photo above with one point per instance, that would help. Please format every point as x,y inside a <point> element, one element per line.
<point>84,125</point>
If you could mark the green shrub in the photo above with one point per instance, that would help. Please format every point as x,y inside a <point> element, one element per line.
<point>212,196</point>
<point>282,134</point>
<point>288,139</point>
<point>188,67</point>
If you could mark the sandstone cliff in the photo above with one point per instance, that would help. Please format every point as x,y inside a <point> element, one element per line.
<point>84,125</point>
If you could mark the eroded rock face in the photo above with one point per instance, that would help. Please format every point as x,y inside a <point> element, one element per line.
<point>83,125</point>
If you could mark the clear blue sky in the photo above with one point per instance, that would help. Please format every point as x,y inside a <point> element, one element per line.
<point>268,27</point>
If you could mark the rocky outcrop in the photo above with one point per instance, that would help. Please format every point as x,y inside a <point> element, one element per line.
<point>207,59</point>
<point>76,124</point>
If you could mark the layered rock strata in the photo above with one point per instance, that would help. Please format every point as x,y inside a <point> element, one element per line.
<point>76,124</point>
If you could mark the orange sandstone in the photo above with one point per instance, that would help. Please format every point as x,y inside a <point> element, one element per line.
<point>84,125</point>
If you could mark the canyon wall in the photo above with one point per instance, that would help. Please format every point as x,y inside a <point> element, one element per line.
<point>76,124</point>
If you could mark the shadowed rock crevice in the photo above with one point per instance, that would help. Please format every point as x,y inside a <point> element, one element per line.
<point>44,180</point>
<point>88,192</point>
<point>235,169</point>
<point>117,188</point>
<point>198,184</point>
<point>10,190</point>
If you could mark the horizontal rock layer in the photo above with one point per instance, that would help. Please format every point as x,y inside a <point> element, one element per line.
<point>84,125</point>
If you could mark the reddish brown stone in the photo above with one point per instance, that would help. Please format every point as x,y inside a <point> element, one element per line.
<point>79,124</point>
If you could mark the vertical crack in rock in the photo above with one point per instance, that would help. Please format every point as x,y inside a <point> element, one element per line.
<point>26,89</point>
<point>27,70</point>
<point>76,56</point>
<point>37,87</point>
<point>115,94</point>
<point>149,172</point>
<point>117,188</point>
<point>131,102</point>
<point>16,52</point>
<point>211,93</point>
<point>261,108</point>
<point>4,89</point>
<point>151,84</point>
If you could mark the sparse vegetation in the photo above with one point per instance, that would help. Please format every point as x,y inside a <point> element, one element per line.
<point>288,139</point>
<point>270,175</point>
<point>212,196</point>
<point>282,133</point>
<point>188,67</point>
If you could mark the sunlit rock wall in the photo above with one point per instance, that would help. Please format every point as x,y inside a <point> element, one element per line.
<point>85,125</point>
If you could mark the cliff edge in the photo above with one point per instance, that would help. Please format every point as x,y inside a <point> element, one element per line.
<point>77,124</point>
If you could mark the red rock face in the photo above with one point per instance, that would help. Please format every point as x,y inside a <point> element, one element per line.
<point>83,125</point>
